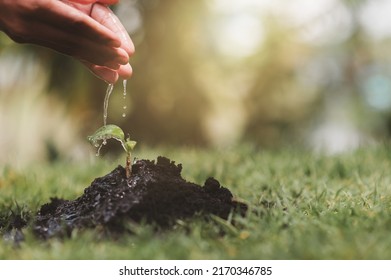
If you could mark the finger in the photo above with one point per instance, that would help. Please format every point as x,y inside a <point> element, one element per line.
<point>125,71</point>
<point>77,46</point>
<point>107,2</point>
<point>106,74</point>
<point>106,17</point>
<point>96,54</point>
<point>73,20</point>
<point>109,75</point>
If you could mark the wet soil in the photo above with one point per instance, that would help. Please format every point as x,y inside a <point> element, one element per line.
<point>155,193</point>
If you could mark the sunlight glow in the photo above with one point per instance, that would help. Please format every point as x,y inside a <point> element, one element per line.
<point>240,35</point>
<point>375,18</point>
<point>239,30</point>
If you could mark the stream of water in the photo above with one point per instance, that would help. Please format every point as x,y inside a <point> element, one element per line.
<point>124,96</point>
<point>109,90</point>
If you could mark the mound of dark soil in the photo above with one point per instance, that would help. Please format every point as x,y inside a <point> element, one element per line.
<point>155,193</point>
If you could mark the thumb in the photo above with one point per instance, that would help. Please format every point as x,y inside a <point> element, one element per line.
<point>106,17</point>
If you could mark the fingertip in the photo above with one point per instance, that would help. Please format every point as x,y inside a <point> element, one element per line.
<point>113,65</point>
<point>122,56</point>
<point>108,75</point>
<point>126,42</point>
<point>125,71</point>
<point>130,49</point>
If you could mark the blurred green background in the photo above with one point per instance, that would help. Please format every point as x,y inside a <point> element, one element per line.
<point>316,74</point>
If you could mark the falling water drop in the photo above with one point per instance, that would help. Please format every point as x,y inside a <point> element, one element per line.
<point>125,82</point>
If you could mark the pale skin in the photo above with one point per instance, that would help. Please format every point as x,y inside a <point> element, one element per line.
<point>84,29</point>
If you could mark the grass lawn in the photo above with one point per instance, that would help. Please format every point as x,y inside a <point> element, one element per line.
<point>303,206</point>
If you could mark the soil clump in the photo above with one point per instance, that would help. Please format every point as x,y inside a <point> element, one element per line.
<point>155,193</point>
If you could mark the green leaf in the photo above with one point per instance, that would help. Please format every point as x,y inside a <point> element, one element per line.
<point>130,144</point>
<point>107,132</point>
<point>111,131</point>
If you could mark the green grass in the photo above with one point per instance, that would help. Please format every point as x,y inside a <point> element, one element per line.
<point>303,206</point>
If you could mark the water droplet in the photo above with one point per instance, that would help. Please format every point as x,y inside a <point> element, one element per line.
<point>124,96</point>
<point>124,84</point>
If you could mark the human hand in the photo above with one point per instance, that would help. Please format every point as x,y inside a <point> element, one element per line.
<point>84,29</point>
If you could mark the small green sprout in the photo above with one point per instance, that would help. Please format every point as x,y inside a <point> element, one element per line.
<point>112,131</point>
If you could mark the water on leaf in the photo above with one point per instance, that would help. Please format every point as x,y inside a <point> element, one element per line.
<point>99,147</point>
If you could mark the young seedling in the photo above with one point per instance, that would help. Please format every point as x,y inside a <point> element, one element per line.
<point>112,131</point>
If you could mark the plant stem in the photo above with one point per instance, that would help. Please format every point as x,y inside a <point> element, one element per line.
<point>128,167</point>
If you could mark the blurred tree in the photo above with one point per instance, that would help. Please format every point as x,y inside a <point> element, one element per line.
<point>167,102</point>
<point>279,101</point>
<point>183,82</point>
<point>360,95</point>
